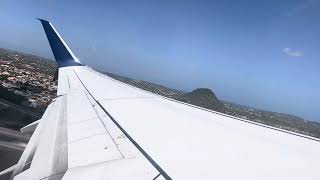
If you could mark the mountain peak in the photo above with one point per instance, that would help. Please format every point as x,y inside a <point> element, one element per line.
<point>202,97</point>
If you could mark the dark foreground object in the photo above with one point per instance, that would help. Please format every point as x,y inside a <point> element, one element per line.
<point>12,144</point>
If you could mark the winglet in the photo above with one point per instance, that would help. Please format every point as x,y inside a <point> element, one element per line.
<point>60,49</point>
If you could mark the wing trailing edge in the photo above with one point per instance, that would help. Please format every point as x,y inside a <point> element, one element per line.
<point>62,53</point>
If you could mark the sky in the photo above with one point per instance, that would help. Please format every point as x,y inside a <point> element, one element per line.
<point>264,54</point>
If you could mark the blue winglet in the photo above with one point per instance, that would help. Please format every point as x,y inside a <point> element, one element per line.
<point>60,49</point>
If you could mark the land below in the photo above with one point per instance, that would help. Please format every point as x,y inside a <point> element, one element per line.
<point>27,87</point>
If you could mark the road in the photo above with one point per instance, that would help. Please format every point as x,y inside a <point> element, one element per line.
<point>20,108</point>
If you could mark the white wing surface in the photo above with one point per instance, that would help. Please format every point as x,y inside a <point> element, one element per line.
<point>100,128</point>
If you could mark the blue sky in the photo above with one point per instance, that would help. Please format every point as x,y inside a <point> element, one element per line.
<point>264,54</point>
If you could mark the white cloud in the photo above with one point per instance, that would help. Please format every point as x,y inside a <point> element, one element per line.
<point>301,7</point>
<point>291,52</point>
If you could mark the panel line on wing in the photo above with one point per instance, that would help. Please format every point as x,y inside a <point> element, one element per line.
<point>156,176</point>
<point>87,137</point>
<point>105,127</point>
<point>145,154</point>
<point>112,99</point>
<point>82,121</point>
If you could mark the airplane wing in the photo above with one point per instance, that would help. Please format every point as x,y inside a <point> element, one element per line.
<point>100,128</point>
